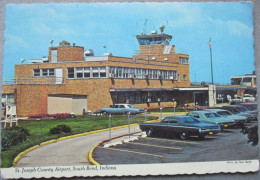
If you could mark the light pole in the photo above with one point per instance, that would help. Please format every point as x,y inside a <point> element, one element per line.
<point>128,113</point>
<point>109,128</point>
<point>161,112</point>
<point>145,112</point>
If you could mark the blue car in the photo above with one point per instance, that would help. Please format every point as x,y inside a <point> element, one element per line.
<point>121,109</point>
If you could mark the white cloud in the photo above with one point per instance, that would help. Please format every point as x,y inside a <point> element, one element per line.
<point>59,30</point>
<point>41,28</point>
<point>11,40</point>
<point>234,28</point>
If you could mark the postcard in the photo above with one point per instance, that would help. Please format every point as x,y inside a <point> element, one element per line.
<point>128,89</point>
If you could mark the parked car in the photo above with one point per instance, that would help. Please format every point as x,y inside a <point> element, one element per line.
<point>251,106</point>
<point>252,134</point>
<point>181,126</point>
<point>239,120</point>
<point>213,118</point>
<point>121,109</point>
<point>248,98</point>
<point>241,111</point>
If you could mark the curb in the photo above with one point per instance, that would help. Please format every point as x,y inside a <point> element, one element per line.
<point>20,155</point>
<point>89,156</point>
<point>91,159</point>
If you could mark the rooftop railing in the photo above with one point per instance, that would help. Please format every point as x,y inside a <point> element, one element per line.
<point>150,52</point>
<point>33,80</point>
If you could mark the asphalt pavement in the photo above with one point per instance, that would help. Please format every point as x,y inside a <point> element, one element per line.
<point>69,152</point>
<point>228,145</point>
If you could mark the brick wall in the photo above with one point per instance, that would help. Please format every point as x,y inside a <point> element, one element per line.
<point>71,53</point>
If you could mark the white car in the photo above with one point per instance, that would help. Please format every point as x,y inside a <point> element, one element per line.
<point>248,98</point>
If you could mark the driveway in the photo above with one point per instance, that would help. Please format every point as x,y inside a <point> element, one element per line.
<point>69,152</point>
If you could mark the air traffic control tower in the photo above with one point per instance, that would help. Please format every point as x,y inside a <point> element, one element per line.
<point>156,47</point>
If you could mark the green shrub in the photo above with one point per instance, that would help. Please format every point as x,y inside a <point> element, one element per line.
<point>64,128</point>
<point>59,129</point>
<point>13,136</point>
<point>55,130</point>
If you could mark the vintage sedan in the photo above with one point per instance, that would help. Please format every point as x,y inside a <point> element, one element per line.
<point>121,109</point>
<point>239,120</point>
<point>210,117</point>
<point>181,126</point>
<point>241,111</point>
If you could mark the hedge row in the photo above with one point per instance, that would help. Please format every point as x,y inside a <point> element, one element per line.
<point>57,115</point>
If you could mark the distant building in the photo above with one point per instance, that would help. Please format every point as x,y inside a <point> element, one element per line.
<point>245,80</point>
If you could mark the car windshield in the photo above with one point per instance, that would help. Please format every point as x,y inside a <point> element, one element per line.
<point>224,113</point>
<point>250,107</point>
<point>130,106</point>
<point>211,115</point>
<point>191,120</point>
<point>233,110</point>
<point>241,109</point>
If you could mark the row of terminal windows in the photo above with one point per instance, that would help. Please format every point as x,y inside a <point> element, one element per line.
<point>87,72</point>
<point>140,97</point>
<point>119,72</point>
<point>43,72</point>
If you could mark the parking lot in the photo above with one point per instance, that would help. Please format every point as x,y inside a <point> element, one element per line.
<point>227,145</point>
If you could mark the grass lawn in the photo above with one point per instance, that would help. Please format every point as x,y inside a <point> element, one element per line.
<point>40,130</point>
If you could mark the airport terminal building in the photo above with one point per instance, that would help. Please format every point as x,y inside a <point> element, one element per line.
<point>72,79</point>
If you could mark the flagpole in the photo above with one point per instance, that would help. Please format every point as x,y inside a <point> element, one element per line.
<point>210,46</point>
<point>212,82</point>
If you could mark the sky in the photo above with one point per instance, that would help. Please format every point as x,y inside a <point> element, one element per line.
<point>30,27</point>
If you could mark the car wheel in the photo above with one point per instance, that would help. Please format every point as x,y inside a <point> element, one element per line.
<point>149,132</point>
<point>183,136</point>
<point>104,113</point>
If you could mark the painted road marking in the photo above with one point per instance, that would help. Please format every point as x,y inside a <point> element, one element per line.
<point>155,155</point>
<point>188,142</point>
<point>141,144</point>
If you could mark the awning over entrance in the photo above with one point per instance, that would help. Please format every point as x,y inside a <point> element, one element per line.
<point>161,89</point>
<point>151,89</point>
<point>193,89</point>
